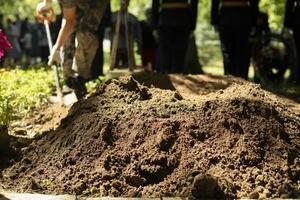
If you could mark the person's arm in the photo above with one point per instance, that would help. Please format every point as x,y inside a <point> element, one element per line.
<point>66,29</point>
<point>67,26</point>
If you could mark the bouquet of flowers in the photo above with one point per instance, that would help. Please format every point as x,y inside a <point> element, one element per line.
<point>4,44</point>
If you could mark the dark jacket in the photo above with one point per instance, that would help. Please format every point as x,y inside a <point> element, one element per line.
<point>234,15</point>
<point>185,17</point>
<point>292,14</point>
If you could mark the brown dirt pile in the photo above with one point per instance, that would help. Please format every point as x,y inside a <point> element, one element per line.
<point>131,140</point>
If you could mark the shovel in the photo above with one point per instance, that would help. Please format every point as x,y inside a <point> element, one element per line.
<point>67,99</point>
<point>55,67</point>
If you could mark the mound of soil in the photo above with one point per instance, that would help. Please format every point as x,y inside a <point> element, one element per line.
<point>132,140</point>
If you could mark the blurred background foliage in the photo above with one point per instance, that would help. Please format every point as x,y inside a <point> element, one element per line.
<point>26,8</point>
<point>207,39</point>
<point>15,103</point>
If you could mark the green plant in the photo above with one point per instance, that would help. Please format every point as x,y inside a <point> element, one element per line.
<point>6,111</point>
<point>23,90</point>
<point>92,85</point>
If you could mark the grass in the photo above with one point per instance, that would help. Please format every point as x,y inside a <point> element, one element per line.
<point>23,90</point>
<point>218,70</point>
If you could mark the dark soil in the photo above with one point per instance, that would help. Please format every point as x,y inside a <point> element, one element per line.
<point>212,138</point>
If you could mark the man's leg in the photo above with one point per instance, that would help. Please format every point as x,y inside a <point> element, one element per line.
<point>227,49</point>
<point>89,17</point>
<point>71,78</point>
<point>124,57</point>
<point>165,46</point>
<point>242,52</point>
<point>180,49</point>
<point>97,65</point>
<point>68,53</point>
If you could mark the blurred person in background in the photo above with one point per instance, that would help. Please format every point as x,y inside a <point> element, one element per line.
<point>35,49</point>
<point>24,29</point>
<point>292,21</point>
<point>43,44</point>
<point>13,33</point>
<point>258,39</point>
<point>149,44</point>
<point>134,30</point>
<point>234,19</point>
<point>192,63</point>
<point>27,46</point>
<point>56,24</point>
<point>174,20</point>
<point>98,62</point>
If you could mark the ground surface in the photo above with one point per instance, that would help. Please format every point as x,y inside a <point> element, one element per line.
<point>195,136</point>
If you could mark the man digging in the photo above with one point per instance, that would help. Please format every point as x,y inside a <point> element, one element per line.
<point>80,23</point>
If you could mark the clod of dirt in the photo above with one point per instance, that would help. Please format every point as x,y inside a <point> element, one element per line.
<point>34,185</point>
<point>131,140</point>
<point>167,136</point>
<point>204,186</point>
<point>253,195</point>
<point>79,187</point>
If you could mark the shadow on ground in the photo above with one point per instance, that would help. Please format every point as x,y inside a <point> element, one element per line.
<point>3,197</point>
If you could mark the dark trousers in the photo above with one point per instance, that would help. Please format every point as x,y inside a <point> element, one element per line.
<point>297,45</point>
<point>148,56</point>
<point>97,65</point>
<point>173,44</point>
<point>44,53</point>
<point>236,50</point>
<point>122,58</point>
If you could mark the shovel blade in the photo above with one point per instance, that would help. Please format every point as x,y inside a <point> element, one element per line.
<point>68,99</point>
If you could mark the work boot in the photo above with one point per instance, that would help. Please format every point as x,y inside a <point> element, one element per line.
<point>77,83</point>
<point>71,82</point>
<point>80,90</point>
